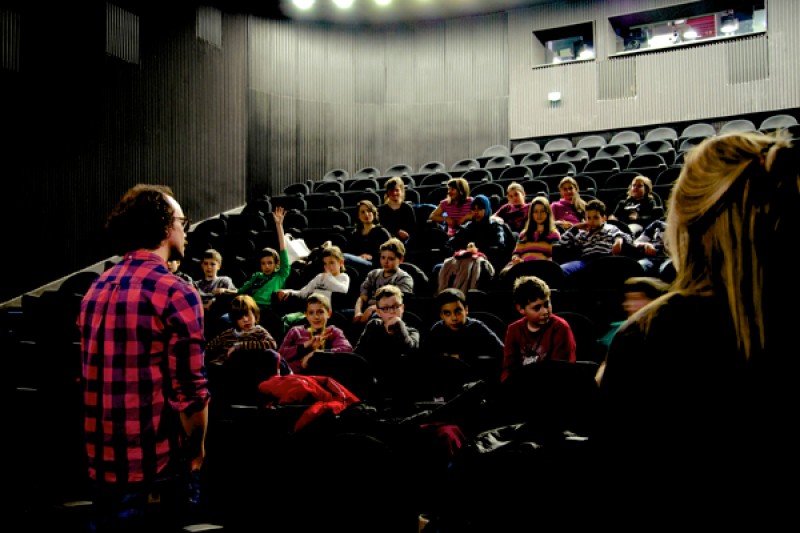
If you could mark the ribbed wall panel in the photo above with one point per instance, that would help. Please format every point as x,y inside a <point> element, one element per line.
<point>378,96</point>
<point>723,78</point>
<point>209,25</point>
<point>122,34</point>
<point>9,40</point>
<point>178,117</point>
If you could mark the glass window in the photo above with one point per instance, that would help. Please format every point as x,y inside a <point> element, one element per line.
<point>560,45</point>
<point>687,24</point>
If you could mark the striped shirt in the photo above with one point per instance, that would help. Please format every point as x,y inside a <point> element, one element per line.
<point>594,244</point>
<point>142,349</point>
<point>456,212</point>
<point>536,249</point>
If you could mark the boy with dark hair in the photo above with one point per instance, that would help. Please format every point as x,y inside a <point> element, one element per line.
<point>539,335</point>
<point>458,335</point>
<point>275,268</point>
<point>392,253</point>
<point>593,238</point>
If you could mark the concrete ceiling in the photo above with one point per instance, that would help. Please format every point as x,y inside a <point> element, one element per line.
<point>366,11</point>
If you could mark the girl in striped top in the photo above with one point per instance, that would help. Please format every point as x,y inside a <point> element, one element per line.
<point>537,237</point>
<point>456,209</point>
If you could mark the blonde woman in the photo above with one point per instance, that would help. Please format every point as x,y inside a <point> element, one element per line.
<point>701,384</point>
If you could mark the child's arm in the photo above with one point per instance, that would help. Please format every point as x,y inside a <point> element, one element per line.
<point>278,215</point>
<point>340,283</point>
<point>338,340</point>
<point>359,311</point>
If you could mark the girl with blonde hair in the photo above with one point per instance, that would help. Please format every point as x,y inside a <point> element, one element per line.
<point>570,209</point>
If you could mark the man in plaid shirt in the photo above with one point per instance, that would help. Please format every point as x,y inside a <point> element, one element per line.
<point>144,382</point>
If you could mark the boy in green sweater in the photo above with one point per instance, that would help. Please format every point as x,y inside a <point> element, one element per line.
<point>275,269</point>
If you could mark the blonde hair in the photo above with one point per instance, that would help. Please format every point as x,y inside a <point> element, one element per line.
<point>577,201</point>
<point>514,186</point>
<point>734,203</point>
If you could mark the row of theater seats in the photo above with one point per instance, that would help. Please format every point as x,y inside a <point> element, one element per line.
<point>664,140</point>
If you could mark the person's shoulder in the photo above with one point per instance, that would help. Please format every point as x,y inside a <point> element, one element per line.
<point>559,322</point>
<point>437,326</point>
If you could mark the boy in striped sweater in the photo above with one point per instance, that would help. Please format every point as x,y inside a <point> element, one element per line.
<point>592,239</point>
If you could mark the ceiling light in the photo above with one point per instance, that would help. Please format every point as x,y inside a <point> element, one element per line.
<point>304,4</point>
<point>343,4</point>
<point>554,96</point>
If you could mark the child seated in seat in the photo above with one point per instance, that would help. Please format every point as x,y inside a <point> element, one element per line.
<point>538,236</point>
<point>539,335</point>
<point>247,334</point>
<point>333,277</point>
<point>303,341</point>
<point>174,266</point>
<point>458,335</point>
<point>637,291</point>
<point>387,338</point>
<point>592,239</point>
<point>275,268</point>
<point>515,211</point>
<point>212,284</point>
<point>392,253</point>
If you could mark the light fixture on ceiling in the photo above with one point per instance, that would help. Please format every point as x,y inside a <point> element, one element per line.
<point>343,4</point>
<point>554,96</point>
<point>304,4</point>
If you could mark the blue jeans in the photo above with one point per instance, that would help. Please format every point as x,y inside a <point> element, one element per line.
<point>163,506</point>
<point>358,261</point>
<point>570,267</point>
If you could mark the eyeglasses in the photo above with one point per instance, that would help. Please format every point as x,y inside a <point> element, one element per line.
<point>186,222</point>
<point>389,308</point>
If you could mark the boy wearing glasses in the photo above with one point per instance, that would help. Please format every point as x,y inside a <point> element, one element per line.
<point>539,334</point>
<point>386,339</point>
